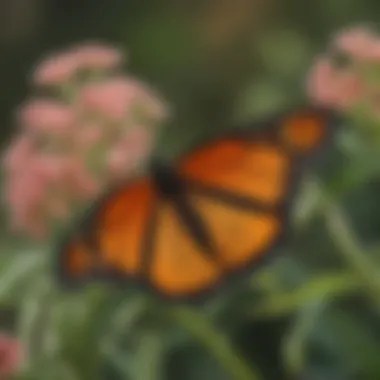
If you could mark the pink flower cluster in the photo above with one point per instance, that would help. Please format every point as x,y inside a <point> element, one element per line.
<point>355,83</point>
<point>61,68</point>
<point>11,356</point>
<point>97,130</point>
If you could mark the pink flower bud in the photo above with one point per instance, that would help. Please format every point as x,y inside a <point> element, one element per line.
<point>44,115</point>
<point>97,56</point>
<point>357,42</point>
<point>56,69</point>
<point>112,98</point>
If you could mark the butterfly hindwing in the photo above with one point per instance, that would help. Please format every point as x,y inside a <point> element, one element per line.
<point>120,228</point>
<point>75,261</point>
<point>112,235</point>
<point>180,267</point>
<point>241,234</point>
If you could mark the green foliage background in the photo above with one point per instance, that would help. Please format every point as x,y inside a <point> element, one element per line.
<point>313,312</point>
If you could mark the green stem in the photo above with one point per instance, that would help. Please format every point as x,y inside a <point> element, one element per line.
<point>34,323</point>
<point>336,189</point>
<point>198,325</point>
<point>332,286</point>
<point>294,347</point>
<point>149,357</point>
<point>351,251</point>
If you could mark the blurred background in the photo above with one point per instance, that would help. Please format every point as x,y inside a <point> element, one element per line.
<point>313,312</point>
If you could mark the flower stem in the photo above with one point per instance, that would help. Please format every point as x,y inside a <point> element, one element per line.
<point>198,325</point>
<point>294,346</point>
<point>331,286</point>
<point>351,252</point>
<point>149,357</point>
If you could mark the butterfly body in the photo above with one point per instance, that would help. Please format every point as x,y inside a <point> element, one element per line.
<point>187,228</point>
<point>165,179</point>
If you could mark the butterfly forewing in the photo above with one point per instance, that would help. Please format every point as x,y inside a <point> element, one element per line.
<point>249,168</point>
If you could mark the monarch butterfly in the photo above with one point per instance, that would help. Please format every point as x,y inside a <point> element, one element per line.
<point>187,228</point>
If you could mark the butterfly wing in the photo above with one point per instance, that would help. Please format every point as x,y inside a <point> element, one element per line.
<point>111,238</point>
<point>306,132</point>
<point>76,261</point>
<point>242,187</point>
<point>177,268</point>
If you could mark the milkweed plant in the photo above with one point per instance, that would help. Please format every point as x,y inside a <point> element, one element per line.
<point>86,125</point>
